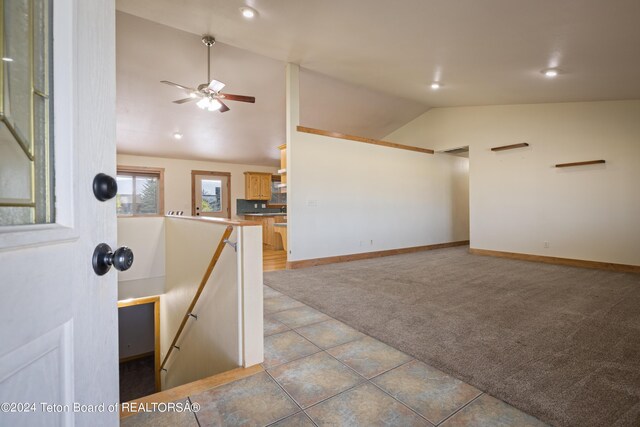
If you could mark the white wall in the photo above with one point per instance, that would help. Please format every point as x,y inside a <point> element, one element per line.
<point>177,178</point>
<point>347,197</point>
<point>136,330</point>
<point>145,237</point>
<point>519,200</point>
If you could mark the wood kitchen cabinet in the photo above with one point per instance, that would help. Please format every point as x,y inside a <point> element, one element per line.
<point>257,186</point>
<point>269,238</point>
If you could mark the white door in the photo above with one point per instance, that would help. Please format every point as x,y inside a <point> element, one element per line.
<point>58,319</point>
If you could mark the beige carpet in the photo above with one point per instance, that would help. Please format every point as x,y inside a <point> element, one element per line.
<point>560,343</point>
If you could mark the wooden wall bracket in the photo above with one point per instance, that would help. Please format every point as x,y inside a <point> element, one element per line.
<point>590,162</point>
<point>510,147</point>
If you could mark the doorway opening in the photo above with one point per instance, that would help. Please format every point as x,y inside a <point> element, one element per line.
<point>211,194</point>
<point>460,192</point>
<point>139,347</point>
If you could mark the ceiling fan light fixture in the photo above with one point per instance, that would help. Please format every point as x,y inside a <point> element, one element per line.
<point>203,103</point>
<point>177,135</point>
<point>214,105</point>
<point>248,12</point>
<point>436,85</point>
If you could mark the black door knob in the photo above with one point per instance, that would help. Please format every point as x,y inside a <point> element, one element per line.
<point>105,187</point>
<point>104,258</point>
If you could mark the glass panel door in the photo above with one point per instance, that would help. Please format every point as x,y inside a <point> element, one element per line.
<point>211,194</point>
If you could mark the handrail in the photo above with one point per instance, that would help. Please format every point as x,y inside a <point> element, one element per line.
<point>203,283</point>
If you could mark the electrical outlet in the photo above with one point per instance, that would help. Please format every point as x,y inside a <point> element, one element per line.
<point>264,206</point>
<point>546,245</point>
<point>255,206</point>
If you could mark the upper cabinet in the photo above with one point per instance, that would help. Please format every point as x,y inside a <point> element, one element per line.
<point>257,186</point>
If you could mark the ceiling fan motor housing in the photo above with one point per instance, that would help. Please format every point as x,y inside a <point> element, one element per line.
<point>208,41</point>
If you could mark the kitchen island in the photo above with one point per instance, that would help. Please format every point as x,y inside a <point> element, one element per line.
<point>268,220</point>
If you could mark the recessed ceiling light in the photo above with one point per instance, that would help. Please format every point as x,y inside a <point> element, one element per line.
<point>5,59</point>
<point>248,12</point>
<point>177,135</point>
<point>436,85</point>
<point>550,72</point>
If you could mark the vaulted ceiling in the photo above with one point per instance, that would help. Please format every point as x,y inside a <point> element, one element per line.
<point>369,63</point>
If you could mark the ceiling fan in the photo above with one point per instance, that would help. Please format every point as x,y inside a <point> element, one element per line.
<point>208,95</point>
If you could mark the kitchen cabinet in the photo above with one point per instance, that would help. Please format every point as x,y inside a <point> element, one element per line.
<point>269,238</point>
<point>257,186</point>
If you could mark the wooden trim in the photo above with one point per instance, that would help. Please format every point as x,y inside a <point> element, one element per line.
<point>144,170</point>
<point>210,173</point>
<point>196,387</point>
<point>367,255</point>
<point>203,283</point>
<point>136,357</point>
<point>510,147</point>
<point>156,331</point>
<point>362,139</point>
<point>220,221</point>
<point>609,266</point>
<point>590,162</point>
<point>282,147</point>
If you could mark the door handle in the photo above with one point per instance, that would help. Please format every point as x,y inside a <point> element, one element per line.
<point>103,258</point>
<point>105,187</point>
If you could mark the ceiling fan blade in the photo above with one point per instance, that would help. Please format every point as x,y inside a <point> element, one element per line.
<point>188,89</point>
<point>216,86</point>
<point>184,100</point>
<point>240,98</point>
<point>224,107</point>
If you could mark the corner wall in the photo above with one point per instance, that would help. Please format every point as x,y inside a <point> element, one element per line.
<point>519,200</point>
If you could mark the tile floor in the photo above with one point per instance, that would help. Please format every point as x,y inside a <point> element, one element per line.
<point>321,372</point>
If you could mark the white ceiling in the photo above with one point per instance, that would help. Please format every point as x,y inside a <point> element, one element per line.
<point>148,52</point>
<point>484,52</point>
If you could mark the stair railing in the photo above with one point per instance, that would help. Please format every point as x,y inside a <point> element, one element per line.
<point>203,283</point>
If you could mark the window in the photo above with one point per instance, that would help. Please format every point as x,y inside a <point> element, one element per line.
<point>26,131</point>
<point>140,191</point>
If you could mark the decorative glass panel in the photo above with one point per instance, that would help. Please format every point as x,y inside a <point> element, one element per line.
<point>26,154</point>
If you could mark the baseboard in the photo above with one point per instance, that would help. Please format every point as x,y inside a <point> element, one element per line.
<point>609,266</point>
<point>367,255</point>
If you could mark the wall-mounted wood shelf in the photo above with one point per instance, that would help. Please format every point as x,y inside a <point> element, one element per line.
<point>590,162</point>
<point>510,147</point>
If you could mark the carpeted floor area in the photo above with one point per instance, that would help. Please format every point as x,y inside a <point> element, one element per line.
<point>560,343</point>
<point>137,378</point>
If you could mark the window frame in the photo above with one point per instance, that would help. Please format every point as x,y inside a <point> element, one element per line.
<point>145,171</point>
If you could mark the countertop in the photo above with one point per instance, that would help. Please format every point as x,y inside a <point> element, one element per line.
<point>265,214</point>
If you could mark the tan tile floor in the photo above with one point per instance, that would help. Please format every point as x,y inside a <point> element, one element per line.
<point>322,372</point>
